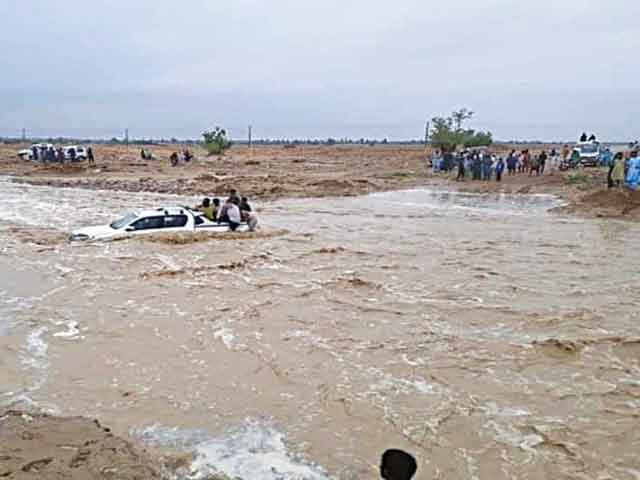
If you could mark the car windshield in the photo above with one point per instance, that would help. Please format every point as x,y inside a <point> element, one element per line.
<point>588,149</point>
<point>124,221</point>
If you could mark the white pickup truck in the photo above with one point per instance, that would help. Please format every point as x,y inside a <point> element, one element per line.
<point>146,222</point>
<point>41,148</point>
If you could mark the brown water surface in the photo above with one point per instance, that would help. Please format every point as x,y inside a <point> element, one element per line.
<point>490,338</point>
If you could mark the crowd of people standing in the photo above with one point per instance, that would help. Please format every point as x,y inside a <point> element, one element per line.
<point>485,166</point>
<point>52,154</point>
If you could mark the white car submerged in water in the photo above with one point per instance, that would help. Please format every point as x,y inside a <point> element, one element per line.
<point>146,222</point>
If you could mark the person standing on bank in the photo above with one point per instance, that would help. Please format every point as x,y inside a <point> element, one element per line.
<point>499,169</point>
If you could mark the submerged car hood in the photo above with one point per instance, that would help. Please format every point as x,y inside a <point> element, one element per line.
<point>98,231</point>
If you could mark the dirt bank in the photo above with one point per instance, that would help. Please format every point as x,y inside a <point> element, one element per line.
<point>584,191</point>
<point>260,173</point>
<point>272,172</point>
<point>45,447</point>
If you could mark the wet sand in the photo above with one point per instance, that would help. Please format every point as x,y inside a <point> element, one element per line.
<point>41,446</point>
<point>486,335</point>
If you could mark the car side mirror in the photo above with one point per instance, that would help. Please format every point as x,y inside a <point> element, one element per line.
<point>129,229</point>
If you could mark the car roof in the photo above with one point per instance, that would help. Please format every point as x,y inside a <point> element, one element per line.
<point>163,211</point>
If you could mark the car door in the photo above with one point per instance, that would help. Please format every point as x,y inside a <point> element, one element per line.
<point>146,225</point>
<point>175,223</point>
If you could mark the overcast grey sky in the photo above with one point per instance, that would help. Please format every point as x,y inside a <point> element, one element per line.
<point>543,69</point>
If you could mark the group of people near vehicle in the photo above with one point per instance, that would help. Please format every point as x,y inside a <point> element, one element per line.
<point>50,154</point>
<point>233,211</point>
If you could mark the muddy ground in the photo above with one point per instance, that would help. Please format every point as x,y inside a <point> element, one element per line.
<point>40,446</point>
<point>273,172</point>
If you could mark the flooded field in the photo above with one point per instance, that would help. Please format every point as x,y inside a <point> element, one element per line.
<point>484,334</point>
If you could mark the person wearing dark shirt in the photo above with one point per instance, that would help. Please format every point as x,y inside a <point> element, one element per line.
<point>543,161</point>
<point>234,197</point>
<point>476,167</point>
<point>244,205</point>
<point>512,163</point>
<point>460,161</point>
<point>499,169</point>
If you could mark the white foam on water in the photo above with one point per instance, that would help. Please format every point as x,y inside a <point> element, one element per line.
<point>69,208</point>
<point>388,382</point>
<point>71,332</point>
<point>34,352</point>
<point>35,359</point>
<point>170,437</point>
<point>250,451</point>
<point>511,436</point>
<point>226,335</point>
<point>492,409</point>
<point>253,450</point>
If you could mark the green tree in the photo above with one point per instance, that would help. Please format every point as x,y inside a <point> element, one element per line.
<point>216,141</point>
<point>447,133</point>
<point>478,139</point>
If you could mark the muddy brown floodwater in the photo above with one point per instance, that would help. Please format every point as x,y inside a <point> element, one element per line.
<point>486,335</point>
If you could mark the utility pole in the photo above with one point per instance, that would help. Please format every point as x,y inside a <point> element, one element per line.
<point>24,135</point>
<point>249,136</point>
<point>426,133</point>
<point>126,138</point>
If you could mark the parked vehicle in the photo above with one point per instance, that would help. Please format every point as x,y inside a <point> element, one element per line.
<point>146,222</point>
<point>28,153</point>
<point>80,153</point>
<point>589,153</point>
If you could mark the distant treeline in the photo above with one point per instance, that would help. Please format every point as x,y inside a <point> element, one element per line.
<point>262,141</point>
<point>173,140</point>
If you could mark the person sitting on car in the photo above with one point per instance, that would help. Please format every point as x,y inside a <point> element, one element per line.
<point>230,213</point>
<point>207,209</point>
<point>216,207</point>
<point>244,205</point>
<point>234,197</point>
<point>247,214</point>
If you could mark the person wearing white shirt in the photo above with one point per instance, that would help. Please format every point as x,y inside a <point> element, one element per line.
<point>231,214</point>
